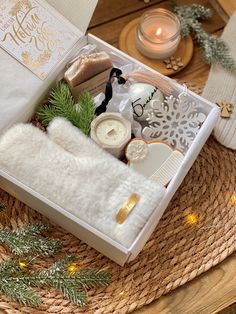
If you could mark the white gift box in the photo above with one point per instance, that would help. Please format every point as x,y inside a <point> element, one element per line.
<point>79,13</point>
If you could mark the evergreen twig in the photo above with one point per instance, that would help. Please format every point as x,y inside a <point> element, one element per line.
<point>26,240</point>
<point>12,285</point>
<point>62,104</point>
<point>16,283</point>
<point>214,49</point>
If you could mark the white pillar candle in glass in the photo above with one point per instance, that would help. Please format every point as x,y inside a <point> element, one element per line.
<point>158,34</point>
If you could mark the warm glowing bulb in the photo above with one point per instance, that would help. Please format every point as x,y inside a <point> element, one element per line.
<point>23,264</point>
<point>74,267</point>
<point>158,31</point>
<point>192,219</point>
<point>233,200</point>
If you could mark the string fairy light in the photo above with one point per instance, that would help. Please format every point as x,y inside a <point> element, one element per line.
<point>192,219</point>
<point>23,264</point>
<point>74,267</point>
<point>17,276</point>
<point>191,216</point>
<point>233,199</point>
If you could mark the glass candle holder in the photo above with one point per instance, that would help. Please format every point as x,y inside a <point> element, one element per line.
<point>158,34</point>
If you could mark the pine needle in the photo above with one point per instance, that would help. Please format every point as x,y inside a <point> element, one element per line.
<point>62,104</point>
<point>17,283</point>
<point>214,49</point>
<point>12,285</point>
<point>27,241</point>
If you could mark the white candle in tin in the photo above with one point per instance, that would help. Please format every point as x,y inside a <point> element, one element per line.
<point>111,132</point>
<point>158,34</point>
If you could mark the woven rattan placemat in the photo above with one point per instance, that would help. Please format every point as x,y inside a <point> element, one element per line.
<point>177,252</point>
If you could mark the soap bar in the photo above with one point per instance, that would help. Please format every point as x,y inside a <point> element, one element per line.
<point>87,67</point>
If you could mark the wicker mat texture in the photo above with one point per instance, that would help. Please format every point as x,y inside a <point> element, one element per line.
<point>177,252</point>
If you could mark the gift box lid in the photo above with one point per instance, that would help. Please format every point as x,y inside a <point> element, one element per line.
<point>79,13</point>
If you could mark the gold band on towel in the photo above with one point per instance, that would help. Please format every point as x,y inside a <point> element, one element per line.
<point>127,208</point>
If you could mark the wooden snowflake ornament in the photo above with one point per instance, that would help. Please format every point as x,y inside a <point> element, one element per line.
<point>173,63</point>
<point>176,122</point>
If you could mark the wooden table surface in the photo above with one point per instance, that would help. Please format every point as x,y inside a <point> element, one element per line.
<point>215,289</point>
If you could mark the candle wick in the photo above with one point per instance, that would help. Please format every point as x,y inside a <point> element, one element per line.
<point>111,132</point>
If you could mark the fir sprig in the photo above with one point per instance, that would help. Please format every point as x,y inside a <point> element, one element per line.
<point>214,49</point>
<point>86,112</point>
<point>73,285</point>
<point>27,241</point>
<point>12,285</point>
<point>62,104</point>
<point>16,283</point>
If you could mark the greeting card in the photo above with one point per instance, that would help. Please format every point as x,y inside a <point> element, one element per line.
<point>34,36</point>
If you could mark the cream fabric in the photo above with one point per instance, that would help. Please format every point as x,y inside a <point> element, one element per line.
<point>221,86</point>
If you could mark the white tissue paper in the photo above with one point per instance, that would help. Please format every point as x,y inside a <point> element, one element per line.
<point>21,90</point>
<point>121,101</point>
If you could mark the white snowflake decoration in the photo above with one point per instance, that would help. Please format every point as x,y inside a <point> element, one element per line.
<point>176,121</point>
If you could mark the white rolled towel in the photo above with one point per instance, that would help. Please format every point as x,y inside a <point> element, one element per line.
<point>71,170</point>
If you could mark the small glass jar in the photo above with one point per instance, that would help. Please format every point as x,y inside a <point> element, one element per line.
<point>158,34</point>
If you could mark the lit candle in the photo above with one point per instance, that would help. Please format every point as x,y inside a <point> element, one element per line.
<point>158,34</point>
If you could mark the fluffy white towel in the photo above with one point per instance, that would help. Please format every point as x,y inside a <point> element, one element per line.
<point>72,171</point>
<point>221,86</point>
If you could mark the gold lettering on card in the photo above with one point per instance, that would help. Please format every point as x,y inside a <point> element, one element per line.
<point>32,34</point>
<point>28,28</point>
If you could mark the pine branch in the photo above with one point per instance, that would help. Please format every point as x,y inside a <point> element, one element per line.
<point>26,241</point>
<point>61,96</point>
<point>19,292</point>
<point>9,267</point>
<point>71,284</point>
<point>214,49</point>
<point>61,265</point>
<point>77,296</point>
<point>32,229</point>
<point>12,285</point>
<point>17,282</point>
<point>92,278</point>
<point>62,104</point>
<point>86,111</point>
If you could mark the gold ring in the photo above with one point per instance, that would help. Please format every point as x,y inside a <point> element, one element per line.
<point>127,207</point>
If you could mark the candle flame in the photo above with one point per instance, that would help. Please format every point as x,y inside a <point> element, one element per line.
<point>159,31</point>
